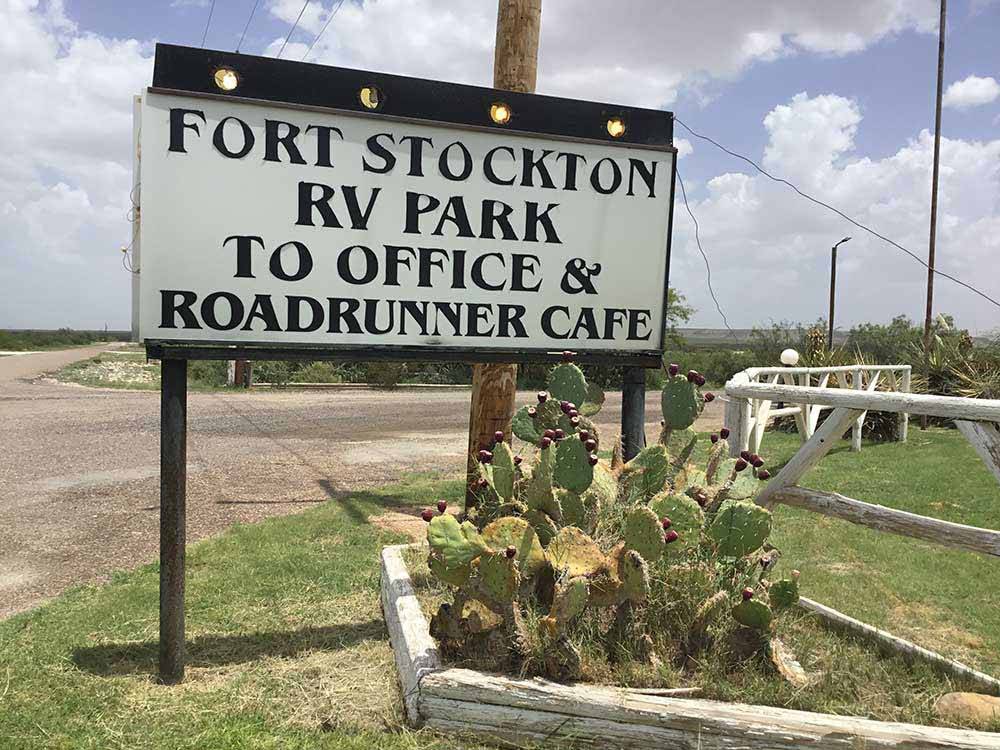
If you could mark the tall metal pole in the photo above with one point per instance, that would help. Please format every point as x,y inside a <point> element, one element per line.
<point>934,202</point>
<point>833,288</point>
<point>515,65</point>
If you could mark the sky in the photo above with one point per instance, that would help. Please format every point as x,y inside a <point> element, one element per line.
<point>837,98</point>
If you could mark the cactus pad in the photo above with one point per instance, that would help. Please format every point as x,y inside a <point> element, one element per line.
<point>745,484</point>
<point>686,517</point>
<point>575,553</point>
<point>574,512</point>
<point>457,576</point>
<point>453,543</point>
<point>525,426</point>
<point>783,593</point>
<point>739,528</point>
<point>647,474</point>
<point>573,470</point>
<point>634,576</point>
<point>543,525</point>
<point>594,401</point>
<point>498,578</point>
<point>753,613</point>
<point>567,383</point>
<point>643,533</point>
<point>570,599</point>
<point>539,493</point>
<point>517,533</point>
<point>681,403</point>
<point>680,444</point>
<point>716,455</point>
<point>503,471</point>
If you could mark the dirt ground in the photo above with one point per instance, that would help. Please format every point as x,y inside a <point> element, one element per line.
<point>79,467</point>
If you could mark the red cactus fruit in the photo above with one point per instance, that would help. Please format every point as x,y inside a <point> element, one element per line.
<point>691,375</point>
<point>724,433</point>
<point>575,422</point>
<point>709,397</point>
<point>532,412</point>
<point>517,460</point>
<point>559,434</point>
<point>427,514</point>
<point>671,536</point>
<point>542,397</point>
<point>714,438</point>
<point>592,459</point>
<point>763,474</point>
<point>572,413</point>
<point>590,445</point>
<point>511,552</point>
<point>546,442</point>
<point>699,380</point>
<point>485,457</point>
<point>567,356</point>
<point>745,455</point>
<point>584,435</point>
<point>549,434</point>
<point>673,369</point>
<point>498,436</point>
<point>564,405</point>
<point>442,506</point>
<point>747,594</point>
<point>665,523</point>
<point>741,464</point>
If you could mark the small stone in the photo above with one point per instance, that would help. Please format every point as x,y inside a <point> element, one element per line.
<point>968,707</point>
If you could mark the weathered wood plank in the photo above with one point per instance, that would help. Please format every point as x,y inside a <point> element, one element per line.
<point>949,407</point>
<point>901,647</point>
<point>415,651</point>
<point>985,438</point>
<point>524,710</point>
<point>737,415</point>
<point>881,518</point>
<point>808,455</point>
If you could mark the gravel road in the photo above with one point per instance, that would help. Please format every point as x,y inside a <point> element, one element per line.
<point>79,467</point>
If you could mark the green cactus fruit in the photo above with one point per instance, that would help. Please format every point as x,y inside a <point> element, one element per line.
<point>517,533</point>
<point>498,577</point>
<point>739,528</point>
<point>753,613</point>
<point>783,593</point>
<point>643,533</point>
<point>543,525</point>
<point>573,470</point>
<point>594,401</point>
<point>525,426</point>
<point>504,471</point>
<point>575,553</point>
<point>457,576</point>
<point>681,403</point>
<point>570,599</point>
<point>453,543</point>
<point>647,474</point>
<point>686,518</point>
<point>567,383</point>
<point>634,575</point>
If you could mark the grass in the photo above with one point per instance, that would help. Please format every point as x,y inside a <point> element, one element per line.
<point>64,338</point>
<point>287,648</point>
<point>128,368</point>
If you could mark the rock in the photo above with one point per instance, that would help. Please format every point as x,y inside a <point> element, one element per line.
<point>968,707</point>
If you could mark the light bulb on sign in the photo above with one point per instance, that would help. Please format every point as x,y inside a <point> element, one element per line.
<point>500,113</point>
<point>371,97</point>
<point>616,127</point>
<point>226,79</point>
<point>790,357</point>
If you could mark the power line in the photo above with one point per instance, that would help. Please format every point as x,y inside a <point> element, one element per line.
<point>837,211</point>
<point>708,267</point>
<point>294,26</point>
<point>208,23</point>
<point>244,34</point>
<point>323,30</point>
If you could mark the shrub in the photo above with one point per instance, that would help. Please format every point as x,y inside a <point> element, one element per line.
<point>318,372</point>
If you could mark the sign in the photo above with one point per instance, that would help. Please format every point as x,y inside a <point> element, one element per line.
<point>427,222</point>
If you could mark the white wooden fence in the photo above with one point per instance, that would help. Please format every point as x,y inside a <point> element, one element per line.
<point>976,419</point>
<point>748,417</point>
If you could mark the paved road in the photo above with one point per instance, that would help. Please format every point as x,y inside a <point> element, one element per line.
<point>79,467</point>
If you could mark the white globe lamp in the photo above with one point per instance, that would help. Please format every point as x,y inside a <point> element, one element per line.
<point>790,357</point>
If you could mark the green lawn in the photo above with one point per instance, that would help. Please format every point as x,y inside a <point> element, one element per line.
<point>287,648</point>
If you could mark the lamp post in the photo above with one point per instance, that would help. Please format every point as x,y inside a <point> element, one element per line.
<point>833,289</point>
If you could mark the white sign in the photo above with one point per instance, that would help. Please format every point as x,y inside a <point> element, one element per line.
<point>281,226</point>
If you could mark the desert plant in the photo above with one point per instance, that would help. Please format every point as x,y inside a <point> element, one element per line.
<point>547,542</point>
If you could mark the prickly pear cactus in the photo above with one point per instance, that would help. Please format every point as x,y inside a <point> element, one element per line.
<point>739,528</point>
<point>517,533</point>
<point>498,577</point>
<point>784,593</point>
<point>574,553</point>
<point>567,383</point>
<point>454,544</point>
<point>685,515</point>
<point>643,533</point>
<point>753,613</point>
<point>681,402</point>
<point>647,474</point>
<point>570,600</point>
<point>634,575</point>
<point>573,469</point>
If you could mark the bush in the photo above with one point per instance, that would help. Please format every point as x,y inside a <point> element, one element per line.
<point>318,372</point>
<point>276,373</point>
<point>386,375</point>
<point>208,373</point>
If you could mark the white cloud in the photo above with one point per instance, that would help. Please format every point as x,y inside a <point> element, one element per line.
<point>971,92</point>
<point>770,247</point>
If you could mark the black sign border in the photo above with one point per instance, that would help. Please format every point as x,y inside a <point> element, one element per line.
<point>190,71</point>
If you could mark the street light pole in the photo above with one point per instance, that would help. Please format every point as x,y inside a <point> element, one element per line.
<point>833,288</point>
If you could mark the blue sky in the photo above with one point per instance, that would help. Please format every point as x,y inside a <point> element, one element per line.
<point>836,98</point>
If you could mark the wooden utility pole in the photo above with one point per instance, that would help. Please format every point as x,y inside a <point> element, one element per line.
<point>515,64</point>
<point>934,201</point>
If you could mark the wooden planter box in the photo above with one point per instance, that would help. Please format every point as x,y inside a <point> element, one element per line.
<point>536,710</point>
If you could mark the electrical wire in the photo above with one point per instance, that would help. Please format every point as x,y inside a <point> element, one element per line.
<point>208,23</point>
<point>294,26</point>
<point>837,211</point>
<point>323,30</point>
<point>244,34</point>
<point>708,267</point>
